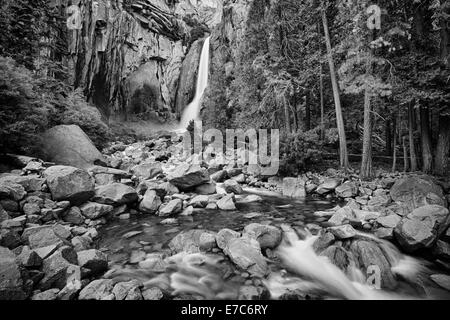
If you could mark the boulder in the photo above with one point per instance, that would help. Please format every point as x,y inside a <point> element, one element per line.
<point>199,201</point>
<point>340,257</point>
<point>390,221</point>
<point>343,232</point>
<point>115,194</point>
<point>173,207</point>
<point>441,280</point>
<point>328,186</point>
<point>147,171</point>
<point>188,176</point>
<point>55,268</point>
<point>93,260</point>
<point>421,228</point>
<point>98,290</point>
<point>152,294</point>
<point>11,190</point>
<point>347,190</point>
<point>246,253</point>
<point>219,176</point>
<point>226,203</point>
<point>415,192</point>
<point>267,236</point>
<point>442,250</point>
<point>73,216</point>
<point>232,186</point>
<point>341,216</point>
<point>193,241</point>
<point>368,255</point>
<point>10,277</point>
<point>30,183</point>
<point>150,203</point>
<point>29,258</point>
<point>69,183</point>
<point>93,210</point>
<point>294,188</point>
<point>69,145</point>
<point>44,236</point>
<point>224,236</point>
<point>206,189</point>
<point>127,291</point>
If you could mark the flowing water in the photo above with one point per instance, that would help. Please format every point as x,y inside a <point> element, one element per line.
<point>295,267</point>
<point>192,111</point>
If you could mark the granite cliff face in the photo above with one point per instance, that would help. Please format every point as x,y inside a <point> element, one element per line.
<point>136,59</point>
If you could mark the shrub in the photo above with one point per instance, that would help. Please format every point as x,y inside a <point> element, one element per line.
<point>24,113</point>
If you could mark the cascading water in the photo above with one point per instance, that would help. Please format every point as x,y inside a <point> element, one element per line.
<point>192,111</point>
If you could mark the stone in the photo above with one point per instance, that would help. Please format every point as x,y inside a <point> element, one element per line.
<point>253,293</point>
<point>268,237</point>
<point>10,277</point>
<point>115,194</point>
<point>94,260</point>
<point>239,178</point>
<point>70,291</point>
<point>422,227</point>
<point>343,232</point>
<point>206,189</point>
<point>340,257</point>
<point>48,295</point>
<point>30,183</point>
<point>9,239</point>
<point>73,216</point>
<point>416,192</point>
<point>442,250</point>
<point>97,290</point>
<point>69,145</point>
<point>188,211</point>
<point>342,216</point>
<point>154,262</point>
<point>219,176</point>
<point>11,190</point>
<point>173,207</point>
<point>368,254</point>
<point>31,209</point>
<point>127,291</point>
<point>152,294</point>
<point>29,258</point>
<point>233,172</point>
<point>246,254</point>
<point>385,233</point>
<point>252,198</point>
<point>188,176</point>
<point>226,203</point>
<point>364,216</point>
<point>3,214</point>
<point>150,203</point>
<point>294,188</point>
<point>211,206</point>
<point>390,221</point>
<point>55,269</point>
<point>347,190</point>
<point>69,183</point>
<point>441,280</point>
<point>232,186</point>
<point>323,241</point>
<point>328,186</point>
<point>193,241</point>
<point>93,210</point>
<point>81,243</point>
<point>147,171</point>
<point>43,236</point>
<point>224,236</point>
<point>200,201</point>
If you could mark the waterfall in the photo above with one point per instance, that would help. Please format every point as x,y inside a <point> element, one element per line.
<point>192,111</point>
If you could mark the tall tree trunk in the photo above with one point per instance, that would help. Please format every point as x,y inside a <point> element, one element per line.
<point>427,157</point>
<point>405,155</point>
<point>394,156</point>
<point>412,147</point>
<point>443,146</point>
<point>287,118</point>
<point>343,153</point>
<point>322,106</point>
<point>308,111</point>
<point>390,122</point>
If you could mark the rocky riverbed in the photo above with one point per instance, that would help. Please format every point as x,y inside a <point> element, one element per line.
<point>151,224</point>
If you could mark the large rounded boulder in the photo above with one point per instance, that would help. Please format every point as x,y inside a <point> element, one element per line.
<point>421,228</point>
<point>70,183</point>
<point>415,192</point>
<point>69,145</point>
